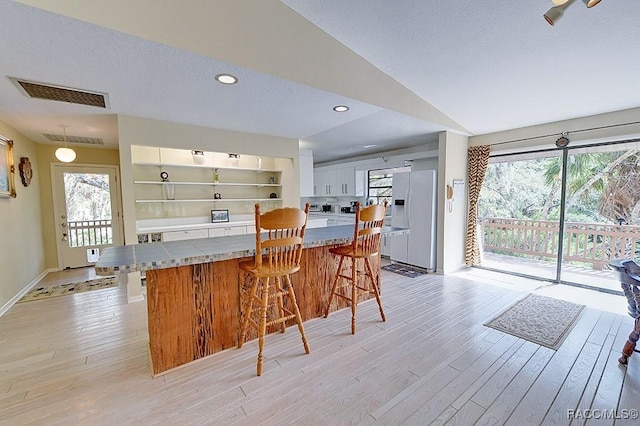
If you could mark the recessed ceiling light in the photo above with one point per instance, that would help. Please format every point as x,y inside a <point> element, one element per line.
<point>227,78</point>
<point>368,146</point>
<point>341,108</point>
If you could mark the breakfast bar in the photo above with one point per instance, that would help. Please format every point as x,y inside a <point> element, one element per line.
<point>193,288</point>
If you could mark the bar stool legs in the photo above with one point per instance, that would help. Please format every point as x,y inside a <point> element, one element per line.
<point>270,290</point>
<point>376,286</point>
<point>296,311</point>
<point>352,283</point>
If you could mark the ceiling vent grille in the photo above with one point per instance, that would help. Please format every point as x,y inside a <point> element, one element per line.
<point>74,139</point>
<point>62,94</point>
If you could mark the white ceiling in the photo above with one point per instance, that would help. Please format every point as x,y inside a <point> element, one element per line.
<point>488,66</point>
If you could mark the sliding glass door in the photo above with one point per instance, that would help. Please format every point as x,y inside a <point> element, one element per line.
<point>594,192</point>
<point>602,213</point>
<point>519,212</point>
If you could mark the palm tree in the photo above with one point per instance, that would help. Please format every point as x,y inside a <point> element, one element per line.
<point>600,178</point>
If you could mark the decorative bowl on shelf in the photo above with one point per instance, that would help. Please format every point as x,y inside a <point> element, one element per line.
<point>273,195</point>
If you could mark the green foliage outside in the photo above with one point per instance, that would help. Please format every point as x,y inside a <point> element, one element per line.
<point>602,187</point>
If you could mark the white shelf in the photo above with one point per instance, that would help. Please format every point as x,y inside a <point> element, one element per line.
<point>207,166</point>
<point>260,185</point>
<point>251,180</point>
<point>209,200</point>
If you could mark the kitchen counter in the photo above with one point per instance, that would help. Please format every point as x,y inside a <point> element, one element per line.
<point>145,257</point>
<point>194,296</point>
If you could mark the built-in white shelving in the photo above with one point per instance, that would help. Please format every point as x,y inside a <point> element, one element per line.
<point>209,200</point>
<point>193,186</point>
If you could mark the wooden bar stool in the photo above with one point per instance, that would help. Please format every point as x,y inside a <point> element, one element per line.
<point>365,245</point>
<point>276,257</point>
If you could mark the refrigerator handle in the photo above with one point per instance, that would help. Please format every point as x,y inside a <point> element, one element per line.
<point>407,210</point>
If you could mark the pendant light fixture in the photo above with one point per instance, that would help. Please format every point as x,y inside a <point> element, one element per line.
<point>66,155</point>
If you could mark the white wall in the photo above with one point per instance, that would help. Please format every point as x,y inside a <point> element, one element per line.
<point>22,258</point>
<point>452,225</point>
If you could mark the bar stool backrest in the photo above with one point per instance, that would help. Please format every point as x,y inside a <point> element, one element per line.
<point>368,229</point>
<point>281,250</point>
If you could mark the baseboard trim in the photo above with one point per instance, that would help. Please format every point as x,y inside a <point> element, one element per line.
<point>138,298</point>
<point>452,270</point>
<point>4,309</point>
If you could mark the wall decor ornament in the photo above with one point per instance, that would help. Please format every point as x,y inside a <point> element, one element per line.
<point>198,157</point>
<point>219,216</point>
<point>26,172</point>
<point>7,169</point>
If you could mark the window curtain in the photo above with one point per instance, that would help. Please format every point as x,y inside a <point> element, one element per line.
<point>478,159</point>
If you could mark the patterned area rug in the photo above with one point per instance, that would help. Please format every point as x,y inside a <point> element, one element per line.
<point>45,292</point>
<point>539,319</point>
<point>405,270</point>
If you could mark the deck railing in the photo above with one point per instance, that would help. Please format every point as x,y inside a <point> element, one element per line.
<point>90,233</point>
<point>588,243</point>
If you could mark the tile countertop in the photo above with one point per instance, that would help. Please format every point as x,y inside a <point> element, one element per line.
<point>170,254</point>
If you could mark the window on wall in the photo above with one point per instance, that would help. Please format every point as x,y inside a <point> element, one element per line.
<point>380,188</point>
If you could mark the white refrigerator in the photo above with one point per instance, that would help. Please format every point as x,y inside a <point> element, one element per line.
<point>414,207</point>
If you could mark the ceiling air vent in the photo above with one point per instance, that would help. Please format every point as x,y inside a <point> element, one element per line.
<point>62,94</point>
<point>74,139</point>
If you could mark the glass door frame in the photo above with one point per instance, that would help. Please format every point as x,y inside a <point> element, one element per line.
<point>117,223</point>
<point>561,224</point>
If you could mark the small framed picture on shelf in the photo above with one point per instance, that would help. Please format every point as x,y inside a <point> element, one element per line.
<point>219,216</point>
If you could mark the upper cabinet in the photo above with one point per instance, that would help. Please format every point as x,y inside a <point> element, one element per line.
<point>177,183</point>
<point>335,182</point>
<point>324,181</point>
<point>346,181</point>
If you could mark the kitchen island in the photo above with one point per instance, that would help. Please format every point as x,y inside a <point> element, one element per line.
<point>194,295</point>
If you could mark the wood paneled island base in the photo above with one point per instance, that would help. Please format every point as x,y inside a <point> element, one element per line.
<point>195,310</point>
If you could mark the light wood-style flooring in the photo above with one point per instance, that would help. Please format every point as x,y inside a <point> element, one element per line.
<point>83,359</point>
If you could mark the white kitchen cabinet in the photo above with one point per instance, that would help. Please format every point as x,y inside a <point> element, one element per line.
<point>385,246</point>
<point>216,232</point>
<point>341,220</point>
<point>316,223</point>
<point>318,187</point>
<point>224,231</point>
<point>236,230</point>
<point>334,182</point>
<point>345,181</point>
<point>185,235</point>
<point>325,183</point>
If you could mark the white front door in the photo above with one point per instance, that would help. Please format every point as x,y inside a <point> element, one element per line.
<point>87,212</point>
